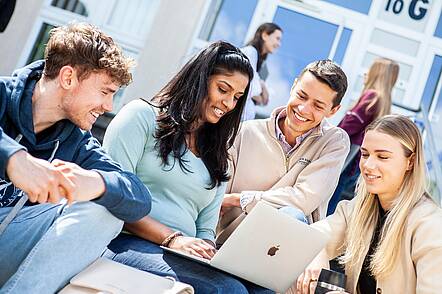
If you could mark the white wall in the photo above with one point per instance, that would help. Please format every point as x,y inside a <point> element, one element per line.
<point>13,39</point>
<point>166,46</point>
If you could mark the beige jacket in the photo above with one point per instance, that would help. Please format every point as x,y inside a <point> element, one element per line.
<point>419,265</point>
<point>306,179</point>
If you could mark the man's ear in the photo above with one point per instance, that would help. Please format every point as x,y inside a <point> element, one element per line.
<point>333,110</point>
<point>67,77</point>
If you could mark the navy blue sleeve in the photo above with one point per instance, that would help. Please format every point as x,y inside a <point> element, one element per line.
<point>8,146</point>
<point>126,196</point>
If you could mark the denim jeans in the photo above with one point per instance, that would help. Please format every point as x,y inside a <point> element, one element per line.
<point>147,256</point>
<point>46,244</point>
<point>294,212</point>
<point>346,185</point>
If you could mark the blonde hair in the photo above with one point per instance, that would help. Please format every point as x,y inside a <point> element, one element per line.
<point>365,215</point>
<point>381,77</point>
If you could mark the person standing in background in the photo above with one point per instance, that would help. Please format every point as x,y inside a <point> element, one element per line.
<point>374,102</point>
<point>266,40</point>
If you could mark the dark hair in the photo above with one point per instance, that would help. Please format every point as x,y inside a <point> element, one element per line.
<point>181,102</point>
<point>258,42</point>
<point>86,48</point>
<point>331,74</point>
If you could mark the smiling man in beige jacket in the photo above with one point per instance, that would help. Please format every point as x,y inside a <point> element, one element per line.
<point>292,160</point>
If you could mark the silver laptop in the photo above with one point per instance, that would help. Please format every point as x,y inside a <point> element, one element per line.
<point>269,248</point>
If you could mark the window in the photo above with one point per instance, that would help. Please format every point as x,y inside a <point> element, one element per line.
<point>438,31</point>
<point>74,6</point>
<point>128,22</point>
<point>39,47</point>
<point>398,93</point>
<point>359,6</point>
<point>228,20</point>
<point>431,85</point>
<point>395,42</point>
<point>298,49</point>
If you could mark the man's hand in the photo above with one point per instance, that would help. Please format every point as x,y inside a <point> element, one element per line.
<point>229,201</point>
<point>39,179</point>
<point>194,246</point>
<point>88,184</point>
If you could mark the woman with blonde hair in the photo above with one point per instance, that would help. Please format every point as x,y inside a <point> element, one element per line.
<point>374,102</point>
<point>389,236</point>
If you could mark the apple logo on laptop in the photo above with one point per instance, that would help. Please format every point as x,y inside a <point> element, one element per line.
<point>272,251</point>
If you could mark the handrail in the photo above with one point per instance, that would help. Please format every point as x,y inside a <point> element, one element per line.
<point>433,152</point>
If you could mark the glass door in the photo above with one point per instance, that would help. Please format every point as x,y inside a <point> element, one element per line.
<point>306,38</point>
<point>432,105</point>
<point>310,32</point>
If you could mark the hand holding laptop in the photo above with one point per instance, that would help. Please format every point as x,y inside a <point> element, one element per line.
<point>266,249</point>
<point>307,281</point>
<point>193,246</point>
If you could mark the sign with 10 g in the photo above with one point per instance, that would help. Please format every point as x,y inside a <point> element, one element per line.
<point>411,14</point>
<point>417,9</point>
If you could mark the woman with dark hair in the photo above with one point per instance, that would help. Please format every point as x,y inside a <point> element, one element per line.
<point>266,40</point>
<point>177,145</point>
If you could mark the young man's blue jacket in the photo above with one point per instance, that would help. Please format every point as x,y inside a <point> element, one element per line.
<point>125,197</point>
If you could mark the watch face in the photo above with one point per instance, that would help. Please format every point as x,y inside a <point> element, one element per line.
<point>272,250</point>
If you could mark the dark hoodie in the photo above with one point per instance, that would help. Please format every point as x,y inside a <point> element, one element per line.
<point>126,197</point>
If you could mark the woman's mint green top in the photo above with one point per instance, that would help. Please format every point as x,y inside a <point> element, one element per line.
<point>180,199</point>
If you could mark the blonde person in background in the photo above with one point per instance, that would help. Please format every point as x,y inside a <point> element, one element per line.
<point>266,40</point>
<point>390,234</point>
<point>374,102</point>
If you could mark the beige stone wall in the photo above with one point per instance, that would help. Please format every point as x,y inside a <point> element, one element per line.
<point>166,46</point>
<point>14,38</point>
